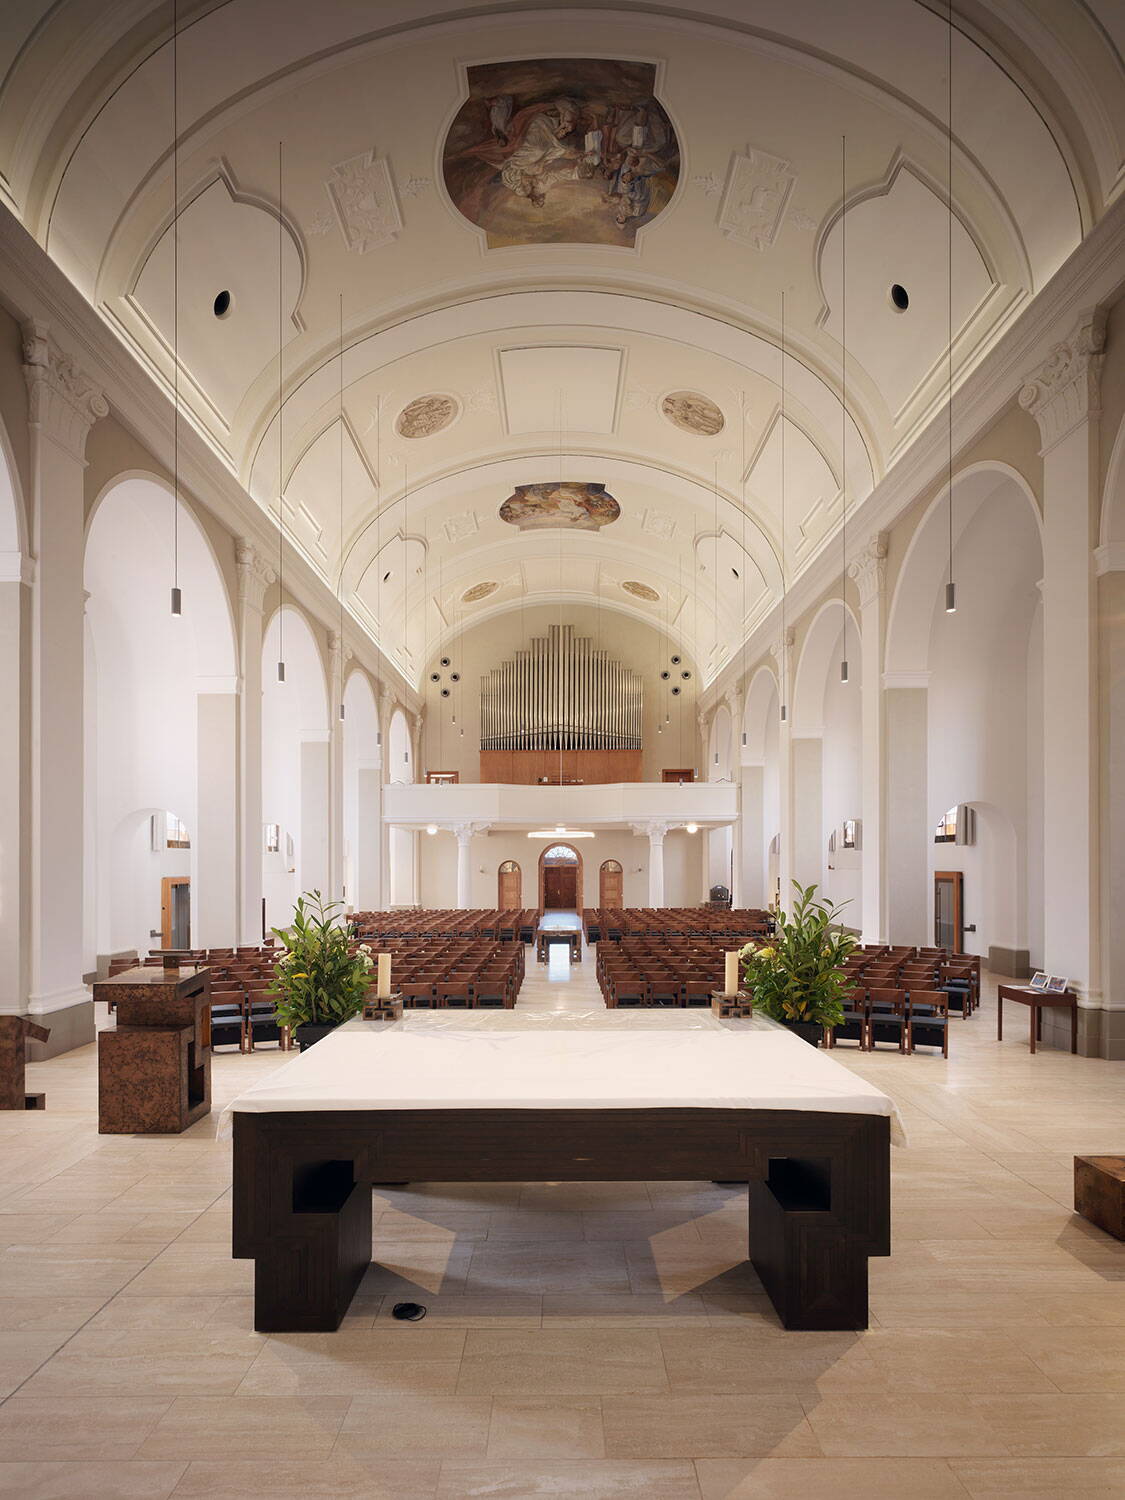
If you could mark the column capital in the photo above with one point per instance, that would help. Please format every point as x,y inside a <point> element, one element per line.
<point>1064,391</point>
<point>652,829</point>
<point>63,402</point>
<point>868,569</point>
<point>254,575</point>
<point>466,832</point>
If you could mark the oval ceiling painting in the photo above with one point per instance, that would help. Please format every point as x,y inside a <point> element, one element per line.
<point>640,590</point>
<point>478,591</point>
<point>691,412</point>
<point>578,507</point>
<point>426,415</point>
<point>561,151</point>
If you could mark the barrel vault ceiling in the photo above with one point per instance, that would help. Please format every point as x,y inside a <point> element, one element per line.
<point>523,356</point>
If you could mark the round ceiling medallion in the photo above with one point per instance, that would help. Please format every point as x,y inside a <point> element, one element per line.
<point>691,412</point>
<point>426,415</point>
<point>478,591</point>
<point>640,590</point>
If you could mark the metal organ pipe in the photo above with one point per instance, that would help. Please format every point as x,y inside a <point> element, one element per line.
<point>561,693</point>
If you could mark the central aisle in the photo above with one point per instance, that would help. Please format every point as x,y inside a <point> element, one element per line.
<point>559,987</point>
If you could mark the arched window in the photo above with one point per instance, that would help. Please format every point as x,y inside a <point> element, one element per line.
<point>560,854</point>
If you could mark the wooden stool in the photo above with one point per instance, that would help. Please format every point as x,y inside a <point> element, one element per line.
<point>1099,1192</point>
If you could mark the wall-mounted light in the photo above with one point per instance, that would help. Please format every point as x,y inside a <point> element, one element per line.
<point>431,829</point>
<point>691,827</point>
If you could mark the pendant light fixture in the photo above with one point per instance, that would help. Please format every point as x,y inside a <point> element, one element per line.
<point>784,662</point>
<point>340,425</point>
<point>280,428</point>
<point>177,596</point>
<point>844,402</point>
<point>950,587</point>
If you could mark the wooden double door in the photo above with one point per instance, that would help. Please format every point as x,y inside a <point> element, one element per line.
<point>560,887</point>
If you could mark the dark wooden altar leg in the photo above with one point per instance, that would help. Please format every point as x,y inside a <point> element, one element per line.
<point>305,1222</point>
<point>811,1263</point>
<point>308,1276</point>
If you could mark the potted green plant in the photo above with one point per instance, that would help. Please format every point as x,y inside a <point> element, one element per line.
<point>318,981</point>
<point>797,976</point>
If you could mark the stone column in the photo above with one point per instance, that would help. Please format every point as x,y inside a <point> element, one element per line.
<point>465,833</point>
<point>782,653</point>
<point>736,704</point>
<point>254,578</point>
<point>16,603</point>
<point>336,659</point>
<point>64,405</point>
<point>1063,397</point>
<point>655,833</point>
<point>869,570</point>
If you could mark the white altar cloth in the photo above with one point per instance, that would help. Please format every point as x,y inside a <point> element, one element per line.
<point>377,1065</point>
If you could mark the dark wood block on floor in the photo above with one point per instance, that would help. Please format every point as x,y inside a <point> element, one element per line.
<point>15,1033</point>
<point>1099,1192</point>
<point>154,1067</point>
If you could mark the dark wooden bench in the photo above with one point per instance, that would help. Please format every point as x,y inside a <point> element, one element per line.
<point>1099,1192</point>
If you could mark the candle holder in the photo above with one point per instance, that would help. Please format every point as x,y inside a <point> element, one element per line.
<point>732,1007</point>
<point>389,1008</point>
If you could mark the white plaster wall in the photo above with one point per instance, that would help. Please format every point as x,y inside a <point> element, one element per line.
<point>978,717</point>
<point>841,750</point>
<point>294,764</point>
<point>437,855</point>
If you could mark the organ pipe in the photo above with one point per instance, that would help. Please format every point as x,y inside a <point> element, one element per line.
<point>561,694</point>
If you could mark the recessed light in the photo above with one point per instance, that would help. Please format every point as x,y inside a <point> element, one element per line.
<point>900,297</point>
<point>222,304</point>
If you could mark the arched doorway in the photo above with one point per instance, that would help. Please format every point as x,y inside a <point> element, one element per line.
<point>509,883</point>
<point>611,885</point>
<point>560,878</point>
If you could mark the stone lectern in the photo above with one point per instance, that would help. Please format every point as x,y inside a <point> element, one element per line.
<point>154,1067</point>
<point>15,1033</point>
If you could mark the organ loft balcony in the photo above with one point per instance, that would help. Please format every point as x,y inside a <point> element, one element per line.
<point>609,805</point>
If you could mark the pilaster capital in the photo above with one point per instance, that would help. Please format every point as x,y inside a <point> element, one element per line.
<point>1064,391</point>
<point>254,575</point>
<point>782,643</point>
<point>652,829</point>
<point>868,569</point>
<point>63,402</point>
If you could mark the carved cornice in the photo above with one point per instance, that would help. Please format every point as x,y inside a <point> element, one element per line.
<point>1063,391</point>
<point>254,575</point>
<point>868,569</point>
<point>64,403</point>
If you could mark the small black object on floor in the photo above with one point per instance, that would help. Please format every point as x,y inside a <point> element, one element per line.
<point>408,1312</point>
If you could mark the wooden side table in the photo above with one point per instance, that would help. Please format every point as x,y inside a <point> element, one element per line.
<point>1036,1001</point>
<point>154,1067</point>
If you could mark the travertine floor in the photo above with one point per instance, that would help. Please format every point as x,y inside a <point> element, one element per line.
<point>591,1339</point>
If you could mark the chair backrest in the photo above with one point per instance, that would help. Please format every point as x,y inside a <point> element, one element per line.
<point>935,1001</point>
<point>886,999</point>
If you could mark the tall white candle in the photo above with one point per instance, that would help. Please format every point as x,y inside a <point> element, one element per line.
<point>731,983</point>
<point>384,976</point>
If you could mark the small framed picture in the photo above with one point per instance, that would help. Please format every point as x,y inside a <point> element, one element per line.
<point>1056,985</point>
<point>851,833</point>
<point>1039,980</point>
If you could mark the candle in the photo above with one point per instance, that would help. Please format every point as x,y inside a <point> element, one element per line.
<point>731,985</point>
<point>383,991</point>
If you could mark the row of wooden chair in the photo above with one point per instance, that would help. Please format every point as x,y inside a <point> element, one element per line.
<point>418,922</point>
<point>907,1017</point>
<point>615,925</point>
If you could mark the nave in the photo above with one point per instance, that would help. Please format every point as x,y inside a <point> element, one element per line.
<point>591,1339</point>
